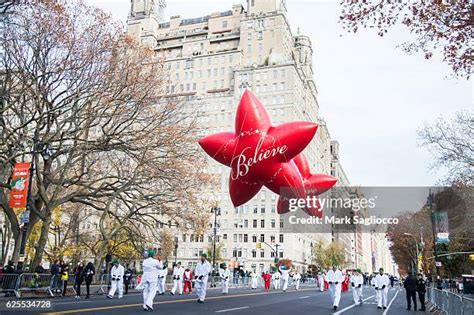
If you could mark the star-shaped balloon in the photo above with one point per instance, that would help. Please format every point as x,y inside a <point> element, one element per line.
<point>260,154</point>
<point>314,184</point>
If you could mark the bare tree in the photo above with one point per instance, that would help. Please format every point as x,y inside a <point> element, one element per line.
<point>444,25</point>
<point>452,144</point>
<point>94,98</point>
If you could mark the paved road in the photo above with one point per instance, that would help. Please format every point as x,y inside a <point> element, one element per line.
<point>239,302</point>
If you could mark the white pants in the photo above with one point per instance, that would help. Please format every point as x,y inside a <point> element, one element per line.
<point>177,285</point>
<point>335,291</point>
<point>149,292</point>
<point>276,284</point>
<point>254,283</point>
<point>284,283</point>
<point>382,297</point>
<point>297,284</point>
<point>201,287</point>
<point>357,294</point>
<point>161,285</point>
<point>114,286</point>
<point>225,285</point>
<point>321,284</point>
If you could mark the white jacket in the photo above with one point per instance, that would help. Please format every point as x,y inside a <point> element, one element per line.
<point>224,274</point>
<point>285,273</point>
<point>162,273</point>
<point>335,276</point>
<point>356,280</point>
<point>381,280</point>
<point>276,276</point>
<point>203,269</point>
<point>296,277</point>
<point>117,272</point>
<point>151,267</point>
<point>178,273</point>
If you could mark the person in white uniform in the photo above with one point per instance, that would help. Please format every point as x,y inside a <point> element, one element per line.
<point>321,277</point>
<point>162,278</point>
<point>254,282</point>
<point>224,274</point>
<point>335,279</point>
<point>382,282</point>
<point>150,268</point>
<point>285,276</point>
<point>357,281</point>
<point>276,280</point>
<point>201,275</point>
<point>297,280</point>
<point>178,273</point>
<point>116,279</point>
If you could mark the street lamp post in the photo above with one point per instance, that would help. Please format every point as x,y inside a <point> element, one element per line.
<point>417,250</point>
<point>175,250</point>
<point>435,251</point>
<point>216,211</point>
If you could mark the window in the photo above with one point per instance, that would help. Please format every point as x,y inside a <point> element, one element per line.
<point>246,223</point>
<point>223,59</point>
<point>281,238</point>
<point>255,210</point>
<point>235,238</point>
<point>281,224</point>
<point>184,237</point>
<point>224,24</point>
<point>273,224</point>
<point>272,238</point>
<point>254,223</point>
<point>254,253</point>
<point>275,74</point>
<point>254,238</point>
<point>246,238</point>
<point>222,71</point>
<point>194,86</point>
<point>191,238</point>
<point>262,254</point>
<point>200,73</point>
<point>260,23</point>
<point>273,208</point>
<point>260,35</point>
<point>215,71</point>
<point>240,238</point>
<point>262,237</point>
<point>249,49</point>
<point>177,76</point>
<point>260,47</point>
<point>189,64</point>
<point>262,209</point>
<point>224,236</point>
<point>262,223</point>
<point>231,58</point>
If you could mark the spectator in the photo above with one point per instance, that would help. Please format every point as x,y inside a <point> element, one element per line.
<point>410,285</point>
<point>127,278</point>
<point>88,275</point>
<point>78,278</point>
<point>64,270</point>
<point>39,269</point>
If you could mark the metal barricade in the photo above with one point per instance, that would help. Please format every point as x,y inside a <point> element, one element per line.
<point>33,282</point>
<point>9,284</point>
<point>450,303</point>
<point>104,283</point>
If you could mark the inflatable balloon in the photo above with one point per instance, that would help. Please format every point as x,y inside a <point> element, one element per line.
<point>314,184</point>
<point>260,154</point>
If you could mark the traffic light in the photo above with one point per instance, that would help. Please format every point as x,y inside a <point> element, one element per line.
<point>471,257</point>
<point>259,245</point>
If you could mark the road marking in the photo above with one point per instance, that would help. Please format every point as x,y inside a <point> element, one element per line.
<point>351,306</point>
<point>389,304</point>
<point>304,297</point>
<point>104,308</point>
<point>232,309</point>
<point>71,302</point>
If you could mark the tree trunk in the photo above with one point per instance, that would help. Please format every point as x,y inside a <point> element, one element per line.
<point>39,248</point>
<point>16,249</point>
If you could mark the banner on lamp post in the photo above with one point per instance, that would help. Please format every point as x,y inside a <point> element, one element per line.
<point>441,226</point>
<point>19,185</point>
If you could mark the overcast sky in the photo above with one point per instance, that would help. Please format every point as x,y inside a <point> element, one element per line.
<point>373,96</point>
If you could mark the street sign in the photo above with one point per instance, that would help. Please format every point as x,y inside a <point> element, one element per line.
<point>25,216</point>
<point>439,264</point>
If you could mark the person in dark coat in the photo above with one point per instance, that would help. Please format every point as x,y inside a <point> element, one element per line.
<point>78,278</point>
<point>88,275</point>
<point>421,288</point>
<point>410,288</point>
<point>127,278</point>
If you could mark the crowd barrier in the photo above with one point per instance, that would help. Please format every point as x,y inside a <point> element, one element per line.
<point>450,303</point>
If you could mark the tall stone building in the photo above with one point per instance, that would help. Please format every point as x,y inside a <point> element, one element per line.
<point>210,61</point>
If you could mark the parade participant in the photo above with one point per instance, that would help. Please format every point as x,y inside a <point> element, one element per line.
<point>326,282</point>
<point>345,283</point>
<point>254,282</point>
<point>266,280</point>
<point>285,276</point>
<point>150,267</point>
<point>116,279</point>
<point>276,280</point>
<point>127,278</point>
<point>410,287</point>
<point>335,279</point>
<point>78,278</point>
<point>162,274</point>
<point>224,274</point>
<point>88,273</point>
<point>421,288</point>
<point>381,283</point>
<point>321,281</point>
<point>178,273</point>
<point>297,280</point>
<point>188,279</point>
<point>201,275</point>
<point>357,281</point>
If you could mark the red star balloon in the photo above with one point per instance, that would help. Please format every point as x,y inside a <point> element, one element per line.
<point>260,154</point>
<point>314,184</point>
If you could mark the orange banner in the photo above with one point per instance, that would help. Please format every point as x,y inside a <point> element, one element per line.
<point>19,185</point>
